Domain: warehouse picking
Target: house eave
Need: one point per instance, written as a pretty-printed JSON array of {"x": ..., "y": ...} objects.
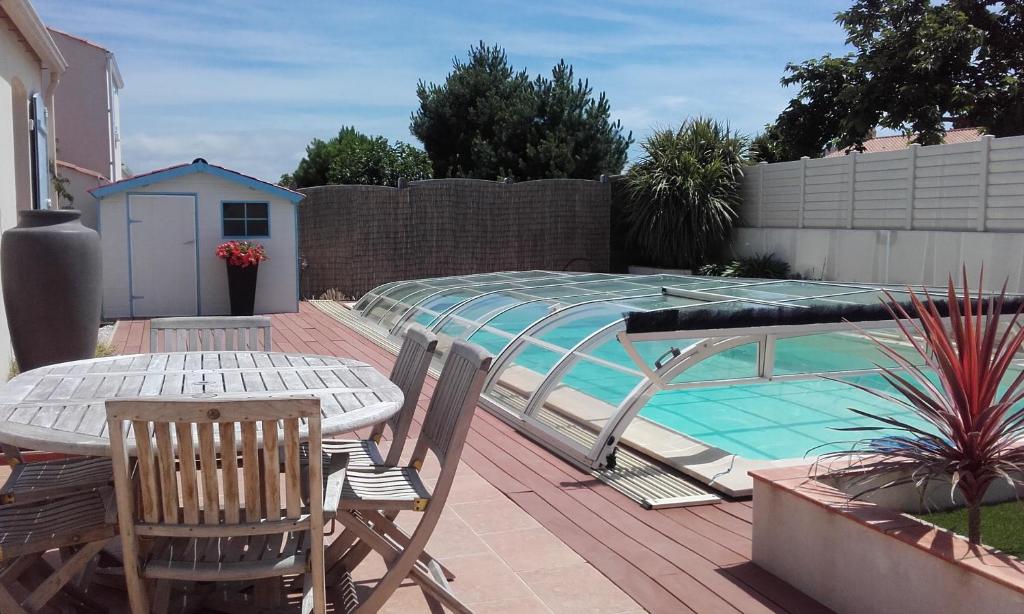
[{"x": 28, "y": 23}]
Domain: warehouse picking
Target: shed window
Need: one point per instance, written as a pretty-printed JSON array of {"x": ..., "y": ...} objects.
[{"x": 246, "y": 219}]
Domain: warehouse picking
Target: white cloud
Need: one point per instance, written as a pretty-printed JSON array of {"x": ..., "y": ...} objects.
[{"x": 248, "y": 83}]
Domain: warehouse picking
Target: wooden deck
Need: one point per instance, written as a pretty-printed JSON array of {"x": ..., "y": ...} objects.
[{"x": 693, "y": 559}]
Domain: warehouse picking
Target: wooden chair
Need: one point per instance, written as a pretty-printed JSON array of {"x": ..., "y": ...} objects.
[
  {"x": 202, "y": 521},
  {"x": 372, "y": 496},
  {"x": 408, "y": 373},
  {"x": 40, "y": 480},
  {"x": 80, "y": 525},
  {"x": 222, "y": 333}
]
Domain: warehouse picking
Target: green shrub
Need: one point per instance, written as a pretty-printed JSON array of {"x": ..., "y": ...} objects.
[
  {"x": 683, "y": 195},
  {"x": 759, "y": 266},
  {"x": 714, "y": 269}
]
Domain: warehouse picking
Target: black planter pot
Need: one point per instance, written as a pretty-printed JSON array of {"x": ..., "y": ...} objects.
[
  {"x": 242, "y": 289},
  {"x": 51, "y": 274}
]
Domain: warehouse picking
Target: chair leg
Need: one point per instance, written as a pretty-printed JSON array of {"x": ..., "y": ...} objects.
[
  {"x": 83, "y": 578},
  {"x": 138, "y": 599},
  {"x": 308, "y": 597},
  {"x": 434, "y": 605},
  {"x": 45, "y": 591},
  {"x": 429, "y": 576},
  {"x": 399, "y": 567},
  {"x": 359, "y": 549},
  {"x": 162, "y": 597},
  {"x": 8, "y": 603},
  {"x": 439, "y": 591},
  {"x": 393, "y": 531},
  {"x": 14, "y": 569},
  {"x": 333, "y": 553}
]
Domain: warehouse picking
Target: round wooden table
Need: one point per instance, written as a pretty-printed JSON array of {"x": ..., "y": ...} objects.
[{"x": 59, "y": 408}]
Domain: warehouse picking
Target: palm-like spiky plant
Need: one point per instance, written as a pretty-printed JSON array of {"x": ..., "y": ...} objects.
[
  {"x": 973, "y": 409},
  {"x": 685, "y": 192}
]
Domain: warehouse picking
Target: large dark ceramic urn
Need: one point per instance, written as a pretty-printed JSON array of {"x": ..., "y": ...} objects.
[{"x": 51, "y": 272}]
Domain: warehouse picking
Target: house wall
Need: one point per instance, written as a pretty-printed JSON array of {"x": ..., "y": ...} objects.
[
  {"x": 20, "y": 75},
  {"x": 277, "y": 285},
  {"x": 83, "y": 107},
  {"x": 78, "y": 185}
]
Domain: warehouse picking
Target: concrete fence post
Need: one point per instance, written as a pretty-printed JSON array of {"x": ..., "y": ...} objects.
[
  {"x": 762, "y": 167},
  {"x": 403, "y": 183},
  {"x": 852, "y": 176},
  {"x": 803, "y": 190},
  {"x": 908, "y": 224},
  {"x": 986, "y": 149}
]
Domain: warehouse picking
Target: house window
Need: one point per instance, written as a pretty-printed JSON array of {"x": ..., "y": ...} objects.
[{"x": 246, "y": 219}]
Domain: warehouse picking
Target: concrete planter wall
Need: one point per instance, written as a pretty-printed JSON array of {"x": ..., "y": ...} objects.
[{"x": 862, "y": 557}]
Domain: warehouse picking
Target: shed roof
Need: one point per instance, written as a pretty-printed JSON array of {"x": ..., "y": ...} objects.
[{"x": 197, "y": 166}]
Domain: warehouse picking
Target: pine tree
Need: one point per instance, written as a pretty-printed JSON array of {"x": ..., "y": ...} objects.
[{"x": 490, "y": 121}]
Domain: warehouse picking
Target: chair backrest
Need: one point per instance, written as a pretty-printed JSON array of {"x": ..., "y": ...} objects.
[
  {"x": 450, "y": 411},
  {"x": 409, "y": 372},
  {"x": 227, "y": 333},
  {"x": 225, "y": 437}
]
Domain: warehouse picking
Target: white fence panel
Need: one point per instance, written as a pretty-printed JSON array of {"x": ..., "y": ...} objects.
[
  {"x": 963, "y": 186},
  {"x": 782, "y": 193},
  {"x": 1005, "y": 197},
  {"x": 827, "y": 193}
]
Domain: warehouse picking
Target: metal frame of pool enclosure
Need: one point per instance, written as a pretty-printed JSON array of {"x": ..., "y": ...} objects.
[{"x": 569, "y": 374}]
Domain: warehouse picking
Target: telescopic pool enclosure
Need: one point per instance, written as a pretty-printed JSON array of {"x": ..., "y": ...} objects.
[{"x": 732, "y": 382}]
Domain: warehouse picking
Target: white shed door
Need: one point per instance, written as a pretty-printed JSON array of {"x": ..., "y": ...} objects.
[{"x": 163, "y": 255}]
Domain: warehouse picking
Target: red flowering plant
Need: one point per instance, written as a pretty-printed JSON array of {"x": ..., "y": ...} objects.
[{"x": 241, "y": 253}]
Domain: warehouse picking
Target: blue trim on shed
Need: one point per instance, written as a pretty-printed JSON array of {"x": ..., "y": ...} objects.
[
  {"x": 196, "y": 167},
  {"x": 243, "y": 237},
  {"x": 298, "y": 263}
]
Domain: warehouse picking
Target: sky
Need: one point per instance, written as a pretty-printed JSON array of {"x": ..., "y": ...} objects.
[{"x": 248, "y": 83}]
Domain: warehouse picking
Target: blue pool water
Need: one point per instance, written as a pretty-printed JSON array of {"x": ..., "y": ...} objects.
[{"x": 773, "y": 420}]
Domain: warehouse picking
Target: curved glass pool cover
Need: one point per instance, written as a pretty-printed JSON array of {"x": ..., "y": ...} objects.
[{"x": 567, "y": 372}]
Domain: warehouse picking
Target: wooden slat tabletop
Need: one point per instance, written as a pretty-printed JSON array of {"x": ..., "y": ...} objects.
[{"x": 59, "y": 408}]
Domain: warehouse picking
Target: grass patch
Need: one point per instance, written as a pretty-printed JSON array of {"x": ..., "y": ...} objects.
[
  {"x": 104, "y": 350},
  {"x": 1002, "y": 525}
]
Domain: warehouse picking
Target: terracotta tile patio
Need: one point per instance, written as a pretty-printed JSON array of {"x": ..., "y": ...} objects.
[{"x": 525, "y": 531}]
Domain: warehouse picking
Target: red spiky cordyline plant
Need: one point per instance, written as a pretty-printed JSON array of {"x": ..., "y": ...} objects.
[{"x": 977, "y": 433}]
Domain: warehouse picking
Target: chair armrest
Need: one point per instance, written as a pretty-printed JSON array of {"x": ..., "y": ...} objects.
[{"x": 334, "y": 470}]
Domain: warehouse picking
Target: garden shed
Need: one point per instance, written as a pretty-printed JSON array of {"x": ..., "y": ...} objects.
[{"x": 160, "y": 232}]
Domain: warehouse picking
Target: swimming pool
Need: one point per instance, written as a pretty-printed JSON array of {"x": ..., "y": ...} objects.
[
  {"x": 768, "y": 421},
  {"x": 564, "y": 372}
]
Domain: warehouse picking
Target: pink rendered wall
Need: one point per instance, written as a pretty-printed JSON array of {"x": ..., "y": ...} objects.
[{"x": 81, "y": 106}]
